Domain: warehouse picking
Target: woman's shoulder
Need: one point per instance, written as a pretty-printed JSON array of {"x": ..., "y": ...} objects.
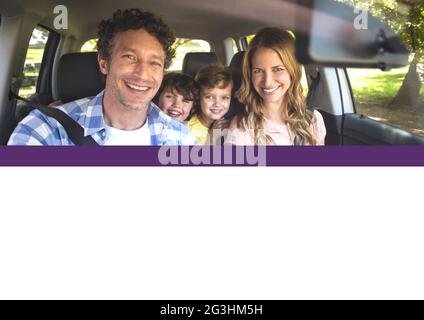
[
  {"x": 234, "y": 123},
  {"x": 237, "y": 135},
  {"x": 317, "y": 117},
  {"x": 318, "y": 127}
]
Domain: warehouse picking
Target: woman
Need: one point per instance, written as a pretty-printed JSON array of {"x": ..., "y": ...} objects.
[{"x": 275, "y": 111}]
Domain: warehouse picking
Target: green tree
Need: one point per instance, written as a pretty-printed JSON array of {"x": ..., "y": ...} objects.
[
  {"x": 406, "y": 18},
  {"x": 89, "y": 46},
  {"x": 180, "y": 42}
]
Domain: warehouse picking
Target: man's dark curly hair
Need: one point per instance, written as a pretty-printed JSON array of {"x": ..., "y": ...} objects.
[{"x": 135, "y": 19}]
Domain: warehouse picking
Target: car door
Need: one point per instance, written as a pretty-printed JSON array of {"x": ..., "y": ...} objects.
[{"x": 378, "y": 117}]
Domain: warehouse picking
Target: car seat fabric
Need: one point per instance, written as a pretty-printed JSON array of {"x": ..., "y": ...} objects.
[
  {"x": 79, "y": 76},
  {"x": 194, "y": 61}
]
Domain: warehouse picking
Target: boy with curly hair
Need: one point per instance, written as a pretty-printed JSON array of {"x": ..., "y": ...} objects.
[{"x": 177, "y": 95}]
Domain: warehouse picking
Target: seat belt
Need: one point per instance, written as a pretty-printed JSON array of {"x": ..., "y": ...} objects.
[
  {"x": 312, "y": 92},
  {"x": 72, "y": 128}
]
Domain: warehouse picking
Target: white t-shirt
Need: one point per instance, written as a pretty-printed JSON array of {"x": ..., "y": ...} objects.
[{"x": 138, "y": 137}]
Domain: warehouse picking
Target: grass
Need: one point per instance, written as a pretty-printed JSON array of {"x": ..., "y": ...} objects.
[
  {"x": 375, "y": 86},
  {"x": 374, "y": 90}
]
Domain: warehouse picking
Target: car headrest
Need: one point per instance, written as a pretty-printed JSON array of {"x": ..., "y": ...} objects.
[
  {"x": 79, "y": 76},
  {"x": 236, "y": 67},
  {"x": 194, "y": 61}
]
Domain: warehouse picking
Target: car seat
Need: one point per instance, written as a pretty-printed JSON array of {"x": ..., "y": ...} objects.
[
  {"x": 78, "y": 77},
  {"x": 194, "y": 61}
]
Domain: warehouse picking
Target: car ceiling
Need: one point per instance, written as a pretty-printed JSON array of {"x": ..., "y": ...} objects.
[{"x": 204, "y": 19}]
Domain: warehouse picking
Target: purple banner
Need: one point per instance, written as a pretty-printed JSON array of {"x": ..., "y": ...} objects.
[{"x": 213, "y": 156}]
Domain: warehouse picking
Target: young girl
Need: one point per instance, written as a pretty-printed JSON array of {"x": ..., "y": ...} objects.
[
  {"x": 177, "y": 95},
  {"x": 275, "y": 110},
  {"x": 215, "y": 83}
]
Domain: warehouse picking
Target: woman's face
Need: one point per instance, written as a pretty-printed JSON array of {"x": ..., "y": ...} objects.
[{"x": 270, "y": 77}]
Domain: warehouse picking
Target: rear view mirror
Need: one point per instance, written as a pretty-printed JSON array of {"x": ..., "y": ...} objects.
[{"x": 335, "y": 34}]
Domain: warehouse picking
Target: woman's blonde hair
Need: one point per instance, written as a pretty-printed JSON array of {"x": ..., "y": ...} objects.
[{"x": 298, "y": 117}]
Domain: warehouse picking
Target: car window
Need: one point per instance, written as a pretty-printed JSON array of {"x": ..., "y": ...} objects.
[
  {"x": 234, "y": 45},
  {"x": 33, "y": 60},
  {"x": 378, "y": 95},
  {"x": 183, "y": 46},
  {"x": 90, "y": 46},
  {"x": 396, "y": 96},
  {"x": 249, "y": 38}
]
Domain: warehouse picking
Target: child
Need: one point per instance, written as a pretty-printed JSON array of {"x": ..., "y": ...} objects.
[
  {"x": 177, "y": 95},
  {"x": 215, "y": 84}
]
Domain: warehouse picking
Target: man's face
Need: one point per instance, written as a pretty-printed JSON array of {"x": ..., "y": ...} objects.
[{"x": 134, "y": 70}]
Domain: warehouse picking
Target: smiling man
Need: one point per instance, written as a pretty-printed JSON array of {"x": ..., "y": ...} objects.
[{"x": 134, "y": 48}]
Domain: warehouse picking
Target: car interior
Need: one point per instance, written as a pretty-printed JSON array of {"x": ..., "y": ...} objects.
[{"x": 66, "y": 73}]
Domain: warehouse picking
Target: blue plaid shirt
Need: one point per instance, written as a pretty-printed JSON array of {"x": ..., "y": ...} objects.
[{"x": 39, "y": 129}]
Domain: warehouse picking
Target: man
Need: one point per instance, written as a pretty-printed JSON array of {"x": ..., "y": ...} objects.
[{"x": 134, "y": 48}]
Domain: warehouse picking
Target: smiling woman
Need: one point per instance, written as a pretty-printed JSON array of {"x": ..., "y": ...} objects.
[{"x": 275, "y": 112}]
